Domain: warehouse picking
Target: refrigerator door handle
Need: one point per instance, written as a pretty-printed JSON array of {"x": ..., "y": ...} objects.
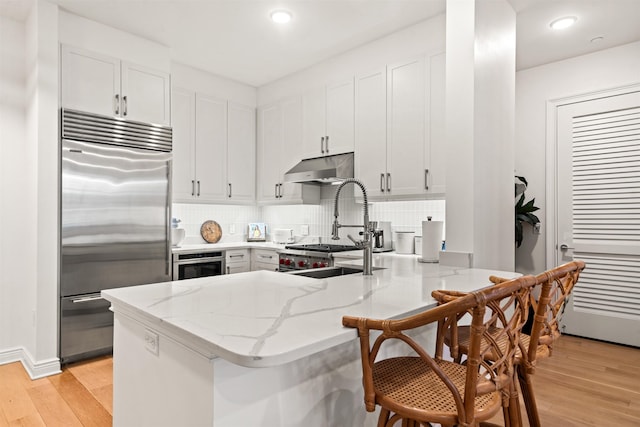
[{"x": 89, "y": 298}]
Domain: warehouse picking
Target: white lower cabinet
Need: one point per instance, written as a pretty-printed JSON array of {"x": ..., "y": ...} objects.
[
  {"x": 237, "y": 261},
  {"x": 264, "y": 259}
]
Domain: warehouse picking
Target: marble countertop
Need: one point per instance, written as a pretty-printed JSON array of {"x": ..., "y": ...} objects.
[
  {"x": 212, "y": 247},
  {"x": 265, "y": 318}
]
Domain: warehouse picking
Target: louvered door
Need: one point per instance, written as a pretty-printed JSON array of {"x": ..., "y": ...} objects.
[{"x": 599, "y": 215}]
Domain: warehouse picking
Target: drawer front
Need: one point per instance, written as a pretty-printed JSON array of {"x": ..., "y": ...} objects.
[
  {"x": 264, "y": 256},
  {"x": 237, "y": 256},
  {"x": 264, "y": 266}
]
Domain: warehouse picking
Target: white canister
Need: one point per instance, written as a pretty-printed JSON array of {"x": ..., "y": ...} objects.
[{"x": 404, "y": 242}]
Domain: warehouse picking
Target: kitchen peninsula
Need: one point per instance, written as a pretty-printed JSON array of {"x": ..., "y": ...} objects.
[{"x": 260, "y": 348}]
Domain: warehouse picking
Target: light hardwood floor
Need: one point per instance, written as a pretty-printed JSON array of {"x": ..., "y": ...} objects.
[{"x": 585, "y": 383}]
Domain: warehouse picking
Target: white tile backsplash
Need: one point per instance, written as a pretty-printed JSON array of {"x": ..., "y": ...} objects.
[{"x": 404, "y": 216}]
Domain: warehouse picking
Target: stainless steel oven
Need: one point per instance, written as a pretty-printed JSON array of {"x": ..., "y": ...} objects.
[
  {"x": 304, "y": 257},
  {"x": 191, "y": 265}
]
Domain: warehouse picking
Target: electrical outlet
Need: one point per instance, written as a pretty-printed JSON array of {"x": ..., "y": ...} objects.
[
  {"x": 304, "y": 230},
  {"x": 151, "y": 341}
]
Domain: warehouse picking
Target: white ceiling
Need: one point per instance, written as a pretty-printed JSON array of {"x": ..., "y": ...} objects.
[{"x": 235, "y": 38}]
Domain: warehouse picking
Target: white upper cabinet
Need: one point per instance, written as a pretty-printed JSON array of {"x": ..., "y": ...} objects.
[
  {"x": 371, "y": 131},
  {"x": 183, "y": 104},
  {"x": 328, "y": 120},
  {"x": 241, "y": 153},
  {"x": 279, "y": 136},
  {"x": 435, "y": 124},
  {"x": 213, "y": 150},
  {"x": 104, "y": 85},
  {"x": 145, "y": 94},
  {"x": 399, "y": 129},
  {"x": 405, "y": 128}
]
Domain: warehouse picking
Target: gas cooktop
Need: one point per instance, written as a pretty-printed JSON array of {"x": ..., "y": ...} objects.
[{"x": 321, "y": 247}]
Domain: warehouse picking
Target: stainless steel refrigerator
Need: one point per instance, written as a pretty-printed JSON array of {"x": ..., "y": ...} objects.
[{"x": 115, "y": 221}]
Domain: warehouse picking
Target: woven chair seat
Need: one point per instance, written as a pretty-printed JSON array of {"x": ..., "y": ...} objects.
[{"x": 408, "y": 386}]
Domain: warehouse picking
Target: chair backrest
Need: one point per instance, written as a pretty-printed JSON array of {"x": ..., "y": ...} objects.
[
  {"x": 490, "y": 364},
  {"x": 561, "y": 281}
]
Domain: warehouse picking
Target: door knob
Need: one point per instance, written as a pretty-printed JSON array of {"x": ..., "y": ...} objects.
[{"x": 564, "y": 247}]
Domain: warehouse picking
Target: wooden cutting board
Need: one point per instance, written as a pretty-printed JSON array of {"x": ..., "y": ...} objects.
[{"x": 211, "y": 231}]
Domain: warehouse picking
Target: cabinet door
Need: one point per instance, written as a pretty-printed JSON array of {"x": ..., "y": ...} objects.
[
  {"x": 269, "y": 151},
  {"x": 405, "y": 127},
  {"x": 371, "y": 131},
  {"x": 241, "y": 150},
  {"x": 90, "y": 82},
  {"x": 145, "y": 94},
  {"x": 184, "y": 122},
  {"x": 290, "y": 153},
  {"x": 211, "y": 149},
  {"x": 436, "y": 156},
  {"x": 340, "y": 118},
  {"x": 314, "y": 119}
]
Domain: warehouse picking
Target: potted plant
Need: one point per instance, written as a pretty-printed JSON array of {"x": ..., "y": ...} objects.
[{"x": 524, "y": 211}]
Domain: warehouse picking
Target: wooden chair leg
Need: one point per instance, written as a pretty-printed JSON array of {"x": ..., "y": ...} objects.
[
  {"x": 383, "y": 418},
  {"x": 526, "y": 385}
]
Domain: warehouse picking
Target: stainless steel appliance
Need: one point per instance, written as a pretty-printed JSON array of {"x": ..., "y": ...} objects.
[
  {"x": 303, "y": 257},
  {"x": 115, "y": 221},
  {"x": 383, "y": 242},
  {"x": 191, "y": 265},
  {"x": 322, "y": 170}
]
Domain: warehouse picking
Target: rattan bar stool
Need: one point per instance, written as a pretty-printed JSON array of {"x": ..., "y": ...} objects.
[
  {"x": 420, "y": 389},
  {"x": 547, "y": 304}
]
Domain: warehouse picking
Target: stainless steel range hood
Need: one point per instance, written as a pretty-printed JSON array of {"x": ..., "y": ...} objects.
[{"x": 324, "y": 170}]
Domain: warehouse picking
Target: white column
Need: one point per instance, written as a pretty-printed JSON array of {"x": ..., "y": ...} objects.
[{"x": 480, "y": 92}]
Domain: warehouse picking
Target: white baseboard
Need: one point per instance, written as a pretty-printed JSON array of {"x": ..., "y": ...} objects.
[{"x": 35, "y": 369}]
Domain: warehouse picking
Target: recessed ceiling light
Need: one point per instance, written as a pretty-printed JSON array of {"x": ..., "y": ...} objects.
[
  {"x": 281, "y": 16},
  {"x": 562, "y": 23}
]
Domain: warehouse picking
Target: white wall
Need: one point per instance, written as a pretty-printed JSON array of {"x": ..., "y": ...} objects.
[
  {"x": 17, "y": 239},
  {"x": 607, "y": 69},
  {"x": 91, "y": 35},
  {"x": 404, "y": 216},
  {"x": 195, "y": 80},
  {"x": 425, "y": 37}
]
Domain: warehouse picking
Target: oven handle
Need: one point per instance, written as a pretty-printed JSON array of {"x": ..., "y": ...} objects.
[{"x": 199, "y": 261}]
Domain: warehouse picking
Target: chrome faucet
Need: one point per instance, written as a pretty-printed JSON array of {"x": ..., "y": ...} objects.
[{"x": 368, "y": 231}]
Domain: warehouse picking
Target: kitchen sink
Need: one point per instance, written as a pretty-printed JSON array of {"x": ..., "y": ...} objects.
[{"x": 324, "y": 273}]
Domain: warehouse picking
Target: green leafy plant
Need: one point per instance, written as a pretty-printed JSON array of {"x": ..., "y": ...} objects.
[{"x": 524, "y": 211}]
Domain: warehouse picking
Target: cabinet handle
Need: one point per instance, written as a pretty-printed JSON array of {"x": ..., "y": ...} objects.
[
  {"x": 280, "y": 190},
  {"x": 236, "y": 256},
  {"x": 198, "y": 188},
  {"x": 426, "y": 179},
  {"x": 116, "y": 107},
  {"x": 193, "y": 187},
  {"x": 326, "y": 144},
  {"x": 388, "y": 182},
  {"x": 275, "y": 191},
  {"x": 266, "y": 256},
  {"x": 322, "y": 145},
  {"x": 382, "y": 182},
  {"x": 229, "y": 190},
  {"x": 124, "y": 105}
]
